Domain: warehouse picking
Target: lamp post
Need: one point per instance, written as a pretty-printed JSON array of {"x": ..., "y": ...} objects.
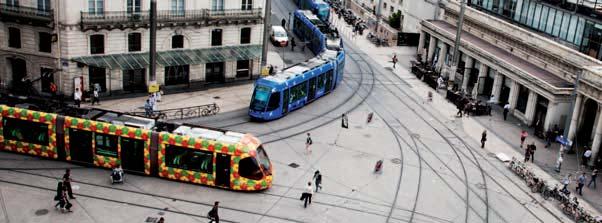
[
  {"x": 455, "y": 54},
  {"x": 266, "y": 26},
  {"x": 152, "y": 42}
]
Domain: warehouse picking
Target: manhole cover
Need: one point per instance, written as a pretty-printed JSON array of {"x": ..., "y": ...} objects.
[
  {"x": 415, "y": 135},
  {"x": 396, "y": 160},
  {"x": 216, "y": 97},
  {"x": 367, "y": 135},
  {"x": 151, "y": 219},
  {"x": 162, "y": 213},
  {"x": 41, "y": 212},
  {"x": 293, "y": 165}
]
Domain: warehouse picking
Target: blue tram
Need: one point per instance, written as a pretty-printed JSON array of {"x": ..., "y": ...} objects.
[
  {"x": 319, "y": 7},
  {"x": 296, "y": 86},
  {"x": 317, "y": 34}
]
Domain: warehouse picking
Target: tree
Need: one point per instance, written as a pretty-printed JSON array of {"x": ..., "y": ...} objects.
[{"x": 395, "y": 20}]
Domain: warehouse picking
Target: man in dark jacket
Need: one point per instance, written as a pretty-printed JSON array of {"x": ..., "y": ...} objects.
[{"x": 213, "y": 215}]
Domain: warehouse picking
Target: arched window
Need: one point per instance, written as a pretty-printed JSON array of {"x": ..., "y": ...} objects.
[{"x": 177, "y": 41}]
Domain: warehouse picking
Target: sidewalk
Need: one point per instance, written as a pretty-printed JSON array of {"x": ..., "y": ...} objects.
[{"x": 503, "y": 136}]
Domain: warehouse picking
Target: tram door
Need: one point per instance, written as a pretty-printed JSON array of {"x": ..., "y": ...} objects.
[
  {"x": 222, "y": 177},
  {"x": 328, "y": 81},
  {"x": 312, "y": 89},
  {"x": 132, "y": 154},
  {"x": 285, "y": 102},
  {"x": 80, "y": 146}
]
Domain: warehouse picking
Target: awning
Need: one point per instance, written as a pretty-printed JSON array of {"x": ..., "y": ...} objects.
[{"x": 131, "y": 61}]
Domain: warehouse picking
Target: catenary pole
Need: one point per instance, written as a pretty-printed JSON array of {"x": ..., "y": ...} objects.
[
  {"x": 266, "y": 27},
  {"x": 456, "y": 55},
  {"x": 152, "y": 41}
]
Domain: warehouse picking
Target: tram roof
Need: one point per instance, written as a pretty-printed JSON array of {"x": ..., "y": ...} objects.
[
  {"x": 303, "y": 67},
  {"x": 197, "y": 132},
  {"x": 312, "y": 18}
]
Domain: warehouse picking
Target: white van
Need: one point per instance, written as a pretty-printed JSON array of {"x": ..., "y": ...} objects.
[{"x": 278, "y": 36}]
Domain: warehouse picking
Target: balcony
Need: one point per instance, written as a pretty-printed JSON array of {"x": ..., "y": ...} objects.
[
  {"x": 27, "y": 15},
  {"x": 165, "y": 18}
]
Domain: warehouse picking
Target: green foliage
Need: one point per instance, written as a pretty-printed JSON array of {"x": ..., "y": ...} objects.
[{"x": 395, "y": 20}]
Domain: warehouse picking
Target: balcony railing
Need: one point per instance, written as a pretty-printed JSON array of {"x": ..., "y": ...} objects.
[
  {"x": 30, "y": 13},
  {"x": 166, "y": 16}
]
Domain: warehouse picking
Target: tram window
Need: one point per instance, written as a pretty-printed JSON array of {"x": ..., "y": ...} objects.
[
  {"x": 188, "y": 159},
  {"x": 274, "y": 101},
  {"x": 321, "y": 81},
  {"x": 298, "y": 92},
  {"x": 260, "y": 98},
  {"x": 25, "y": 131},
  {"x": 248, "y": 168},
  {"x": 106, "y": 145}
]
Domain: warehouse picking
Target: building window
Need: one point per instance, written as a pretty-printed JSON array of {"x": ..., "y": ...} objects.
[
  {"x": 216, "y": 37},
  {"x": 45, "y": 42},
  {"x": 97, "y": 44},
  {"x": 176, "y": 75},
  {"x": 245, "y": 35},
  {"x": 392, "y": 9},
  {"x": 177, "y": 7},
  {"x": 134, "y": 42},
  {"x": 13, "y": 3},
  {"x": 523, "y": 98},
  {"x": 43, "y": 5},
  {"x": 217, "y": 5},
  {"x": 189, "y": 159},
  {"x": 247, "y": 4},
  {"x": 133, "y": 6},
  {"x": 47, "y": 77},
  {"x": 177, "y": 42},
  {"x": 106, "y": 145},
  {"x": 242, "y": 68},
  {"x": 97, "y": 75},
  {"x": 14, "y": 37},
  {"x": 385, "y": 5},
  {"x": 96, "y": 7}
]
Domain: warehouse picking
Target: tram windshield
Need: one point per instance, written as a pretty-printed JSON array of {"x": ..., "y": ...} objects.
[
  {"x": 260, "y": 98},
  {"x": 263, "y": 159}
]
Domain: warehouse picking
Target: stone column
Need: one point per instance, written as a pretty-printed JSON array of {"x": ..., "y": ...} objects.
[
  {"x": 513, "y": 95},
  {"x": 481, "y": 80},
  {"x": 431, "y": 51},
  {"x": 497, "y": 86},
  {"x": 550, "y": 114},
  {"x": 574, "y": 121},
  {"x": 420, "y": 42},
  {"x": 469, "y": 64},
  {"x": 531, "y": 103},
  {"x": 597, "y": 137},
  {"x": 442, "y": 54}
]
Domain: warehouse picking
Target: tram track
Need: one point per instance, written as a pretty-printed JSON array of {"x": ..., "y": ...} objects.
[{"x": 467, "y": 146}]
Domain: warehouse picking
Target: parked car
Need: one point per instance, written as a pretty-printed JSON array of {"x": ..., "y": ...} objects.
[{"x": 278, "y": 36}]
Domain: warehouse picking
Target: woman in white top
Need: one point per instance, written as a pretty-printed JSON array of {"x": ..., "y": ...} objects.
[{"x": 306, "y": 196}]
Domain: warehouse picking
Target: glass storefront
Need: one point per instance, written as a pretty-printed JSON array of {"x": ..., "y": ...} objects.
[{"x": 564, "y": 23}]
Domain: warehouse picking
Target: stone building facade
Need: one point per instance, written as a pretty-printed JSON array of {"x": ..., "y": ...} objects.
[
  {"x": 106, "y": 43},
  {"x": 507, "y": 64}
]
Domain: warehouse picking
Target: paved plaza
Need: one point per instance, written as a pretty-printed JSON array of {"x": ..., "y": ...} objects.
[{"x": 434, "y": 168}]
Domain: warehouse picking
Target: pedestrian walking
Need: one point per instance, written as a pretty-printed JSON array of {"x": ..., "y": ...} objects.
[
  {"x": 586, "y": 156},
  {"x": 523, "y": 136},
  {"x": 59, "y": 195},
  {"x": 565, "y": 182},
  {"x": 77, "y": 97},
  {"x": 559, "y": 162},
  {"x": 527, "y": 153},
  {"x": 95, "y": 96},
  {"x": 158, "y": 94},
  {"x": 53, "y": 89},
  {"x": 148, "y": 108},
  {"x": 429, "y": 96},
  {"x": 532, "y": 151},
  {"x": 213, "y": 215},
  {"x": 283, "y": 23},
  {"x": 593, "y": 178},
  {"x": 483, "y": 138},
  {"x": 344, "y": 121},
  {"x": 307, "y": 194},
  {"x": 581, "y": 183},
  {"x": 293, "y": 44},
  {"x": 549, "y": 138},
  {"x": 506, "y": 110},
  {"x": 460, "y": 107},
  {"x": 369, "y": 117},
  {"x": 67, "y": 183},
  {"x": 161, "y": 220},
  {"x": 64, "y": 203},
  {"x": 318, "y": 179},
  {"x": 308, "y": 143},
  {"x": 394, "y": 60}
]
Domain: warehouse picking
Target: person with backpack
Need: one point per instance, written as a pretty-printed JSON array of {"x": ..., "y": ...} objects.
[
  {"x": 318, "y": 180},
  {"x": 308, "y": 143},
  {"x": 394, "y": 60},
  {"x": 213, "y": 215}
]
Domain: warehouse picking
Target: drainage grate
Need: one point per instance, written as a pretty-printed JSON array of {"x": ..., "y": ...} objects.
[
  {"x": 151, "y": 219},
  {"x": 41, "y": 212},
  {"x": 293, "y": 165},
  {"x": 415, "y": 135},
  {"x": 216, "y": 97},
  {"x": 396, "y": 161}
]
